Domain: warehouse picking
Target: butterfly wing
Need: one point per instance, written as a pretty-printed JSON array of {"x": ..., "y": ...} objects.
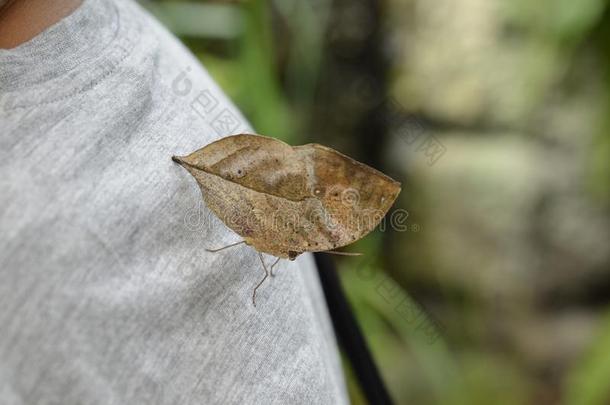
[
  {"x": 287, "y": 200},
  {"x": 354, "y": 196},
  {"x": 258, "y": 187}
]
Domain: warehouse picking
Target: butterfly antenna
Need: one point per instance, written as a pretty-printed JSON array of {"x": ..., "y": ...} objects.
[
  {"x": 226, "y": 247},
  {"x": 260, "y": 256},
  {"x": 271, "y": 269},
  {"x": 334, "y": 252}
]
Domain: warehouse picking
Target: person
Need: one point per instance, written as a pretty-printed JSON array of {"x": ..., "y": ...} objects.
[{"x": 107, "y": 294}]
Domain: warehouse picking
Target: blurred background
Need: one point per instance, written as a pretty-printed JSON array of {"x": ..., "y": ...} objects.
[{"x": 492, "y": 283}]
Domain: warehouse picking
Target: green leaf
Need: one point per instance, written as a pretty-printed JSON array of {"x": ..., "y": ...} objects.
[{"x": 589, "y": 383}]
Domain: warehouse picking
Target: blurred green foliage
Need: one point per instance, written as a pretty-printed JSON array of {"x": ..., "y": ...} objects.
[
  {"x": 588, "y": 383},
  {"x": 487, "y": 78}
]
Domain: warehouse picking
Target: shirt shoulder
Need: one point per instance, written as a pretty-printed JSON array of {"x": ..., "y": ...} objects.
[{"x": 108, "y": 234}]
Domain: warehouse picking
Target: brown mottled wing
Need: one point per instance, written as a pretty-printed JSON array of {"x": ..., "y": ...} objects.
[
  {"x": 269, "y": 223},
  {"x": 354, "y": 196},
  {"x": 257, "y": 162},
  {"x": 285, "y": 200},
  {"x": 257, "y": 186}
]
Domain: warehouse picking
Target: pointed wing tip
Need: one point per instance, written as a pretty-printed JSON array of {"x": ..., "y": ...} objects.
[{"x": 177, "y": 159}]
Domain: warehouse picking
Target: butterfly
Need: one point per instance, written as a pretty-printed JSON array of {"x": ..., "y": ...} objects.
[{"x": 286, "y": 200}]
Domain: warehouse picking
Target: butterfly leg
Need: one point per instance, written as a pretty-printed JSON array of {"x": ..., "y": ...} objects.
[
  {"x": 260, "y": 256},
  {"x": 271, "y": 269},
  {"x": 226, "y": 247}
]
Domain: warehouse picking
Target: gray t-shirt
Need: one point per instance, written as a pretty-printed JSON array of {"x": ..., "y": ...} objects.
[{"x": 107, "y": 295}]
